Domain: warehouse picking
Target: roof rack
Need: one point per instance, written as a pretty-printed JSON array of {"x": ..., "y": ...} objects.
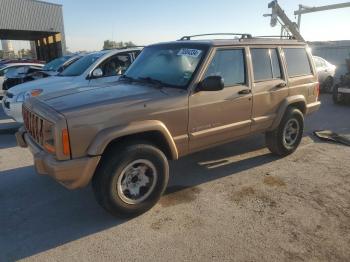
[
  {"x": 276, "y": 36},
  {"x": 242, "y": 36},
  {"x": 124, "y": 47}
]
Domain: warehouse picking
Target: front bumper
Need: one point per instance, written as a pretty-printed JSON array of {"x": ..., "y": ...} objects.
[
  {"x": 13, "y": 109},
  {"x": 313, "y": 107},
  {"x": 72, "y": 174}
]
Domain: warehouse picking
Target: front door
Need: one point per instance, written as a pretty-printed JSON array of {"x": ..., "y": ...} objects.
[{"x": 219, "y": 116}]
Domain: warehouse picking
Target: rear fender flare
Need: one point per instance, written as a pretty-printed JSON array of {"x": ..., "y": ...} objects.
[{"x": 283, "y": 107}]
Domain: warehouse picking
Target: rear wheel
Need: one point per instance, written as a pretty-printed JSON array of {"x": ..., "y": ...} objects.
[
  {"x": 328, "y": 85},
  {"x": 130, "y": 180},
  {"x": 285, "y": 139}
]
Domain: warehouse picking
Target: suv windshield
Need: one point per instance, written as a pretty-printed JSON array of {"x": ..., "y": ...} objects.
[
  {"x": 56, "y": 63},
  {"x": 81, "y": 65},
  {"x": 172, "y": 65}
]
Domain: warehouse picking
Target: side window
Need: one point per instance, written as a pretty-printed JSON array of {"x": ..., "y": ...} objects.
[
  {"x": 136, "y": 54},
  {"x": 266, "y": 64},
  {"x": 276, "y": 66},
  {"x": 116, "y": 65},
  {"x": 298, "y": 63},
  {"x": 230, "y": 65}
]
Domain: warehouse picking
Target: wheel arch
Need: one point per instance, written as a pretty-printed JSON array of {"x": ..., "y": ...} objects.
[
  {"x": 297, "y": 101},
  {"x": 152, "y": 131}
]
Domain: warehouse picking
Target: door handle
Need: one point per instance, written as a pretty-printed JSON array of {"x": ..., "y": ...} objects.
[
  {"x": 281, "y": 85},
  {"x": 244, "y": 92}
]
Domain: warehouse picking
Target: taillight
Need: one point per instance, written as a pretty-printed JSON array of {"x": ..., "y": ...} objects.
[
  {"x": 65, "y": 142},
  {"x": 317, "y": 90}
]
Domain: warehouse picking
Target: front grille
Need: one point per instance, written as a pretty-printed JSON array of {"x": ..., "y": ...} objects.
[{"x": 34, "y": 125}]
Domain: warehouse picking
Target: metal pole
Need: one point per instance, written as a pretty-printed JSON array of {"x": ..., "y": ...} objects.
[
  {"x": 299, "y": 17},
  {"x": 306, "y": 10}
]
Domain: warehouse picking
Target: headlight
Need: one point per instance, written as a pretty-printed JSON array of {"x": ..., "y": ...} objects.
[
  {"x": 20, "y": 97},
  {"x": 49, "y": 140},
  {"x": 25, "y": 95}
]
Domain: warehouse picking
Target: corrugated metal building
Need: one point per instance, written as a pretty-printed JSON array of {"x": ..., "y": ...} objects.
[
  {"x": 333, "y": 51},
  {"x": 37, "y": 21}
]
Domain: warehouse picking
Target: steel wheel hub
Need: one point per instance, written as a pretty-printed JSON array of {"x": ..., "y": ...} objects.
[
  {"x": 291, "y": 132},
  {"x": 137, "y": 181}
]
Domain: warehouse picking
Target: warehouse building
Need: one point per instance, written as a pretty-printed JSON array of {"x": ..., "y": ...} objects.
[{"x": 36, "y": 21}]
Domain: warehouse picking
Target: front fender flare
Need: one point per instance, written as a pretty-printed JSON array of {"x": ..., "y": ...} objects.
[{"x": 104, "y": 137}]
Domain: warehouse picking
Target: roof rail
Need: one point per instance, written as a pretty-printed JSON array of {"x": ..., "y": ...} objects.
[
  {"x": 124, "y": 47},
  {"x": 242, "y": 36},
  {"x": 276, "y": 36}
]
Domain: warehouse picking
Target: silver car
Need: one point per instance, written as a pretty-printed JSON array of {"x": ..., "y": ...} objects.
[
  {"x": 6, "y": 67},
  {"x": 326, "y": 72},
  {"x": 92, "y": 69}
]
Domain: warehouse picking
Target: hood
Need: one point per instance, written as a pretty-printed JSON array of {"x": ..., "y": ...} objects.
[
  {"x": 47, "y": 84},
  {"x": 91, "y": 96}
]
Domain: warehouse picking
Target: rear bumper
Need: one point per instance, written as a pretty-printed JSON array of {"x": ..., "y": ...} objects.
[
  {"x": 313, "y": 107},
  {"x": 72, "y": 174}
]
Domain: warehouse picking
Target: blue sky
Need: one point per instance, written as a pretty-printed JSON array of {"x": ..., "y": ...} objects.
[{"x": 88, "y": 23}]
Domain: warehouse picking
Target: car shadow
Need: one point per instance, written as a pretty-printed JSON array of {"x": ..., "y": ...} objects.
[
  {"x": 38, "y": 214},
  {"x": 7, "y": 141}
]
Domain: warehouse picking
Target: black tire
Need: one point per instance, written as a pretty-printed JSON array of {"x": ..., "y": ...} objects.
[
  {"x": 275, "y": 140},
  {"x": 107, "y": 178},
  {"x": 337, "y": 98},
  {"x": 328, "y": 85}
]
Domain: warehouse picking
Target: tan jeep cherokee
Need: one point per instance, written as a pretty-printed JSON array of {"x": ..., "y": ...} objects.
[{"x": 175, "y": 99}]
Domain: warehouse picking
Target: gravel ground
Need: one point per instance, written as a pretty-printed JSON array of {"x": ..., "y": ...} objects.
[{"x": 233, "y": 203}]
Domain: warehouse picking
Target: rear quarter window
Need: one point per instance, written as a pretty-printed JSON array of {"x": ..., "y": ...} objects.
[{"x": 298, "y": 63}]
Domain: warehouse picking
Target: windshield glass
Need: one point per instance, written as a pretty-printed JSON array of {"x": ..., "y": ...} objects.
[
  {"x": 172, "y": 65},
  {"x": 56, "y": 63},
  {"x": 81, "y": 65}
]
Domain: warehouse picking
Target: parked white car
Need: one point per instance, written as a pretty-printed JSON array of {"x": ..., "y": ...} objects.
[
  {"x": 92, "y": 69},
  {"x": 6, "y": 67},
  {"x": 326, "y": 73}
]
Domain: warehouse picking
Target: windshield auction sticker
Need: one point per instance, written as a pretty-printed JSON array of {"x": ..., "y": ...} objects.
[{"x": 189, "y": 52}]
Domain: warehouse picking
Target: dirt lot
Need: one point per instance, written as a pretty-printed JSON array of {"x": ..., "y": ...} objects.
[{"x": 232, "y": 203}]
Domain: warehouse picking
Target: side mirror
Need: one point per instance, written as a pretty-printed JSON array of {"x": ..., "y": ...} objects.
[
  {"x": 97, "y": 73},
  {"x": 211, "y": 83}
]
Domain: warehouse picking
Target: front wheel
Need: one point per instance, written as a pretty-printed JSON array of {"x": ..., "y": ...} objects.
[
  {"x": 131, "y": 179},
  {"x": 286, "y": 138}
]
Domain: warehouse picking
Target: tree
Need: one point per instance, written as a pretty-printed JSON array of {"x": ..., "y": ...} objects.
[{"x": 109, "y": 44}]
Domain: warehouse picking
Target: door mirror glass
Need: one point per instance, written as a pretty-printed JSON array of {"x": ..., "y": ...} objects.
[
  {"x": 211, "y": 83},
  {"x": 97, "y": 73}
]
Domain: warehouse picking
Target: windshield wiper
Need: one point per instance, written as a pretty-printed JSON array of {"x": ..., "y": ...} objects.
[
  {"x": 153, "y": 81},
  {"x": 125, "y": 77}
]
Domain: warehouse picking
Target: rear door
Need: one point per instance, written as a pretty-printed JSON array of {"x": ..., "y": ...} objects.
[
  {"x": 220, "y": 116},
  {"x": 269, "y": 87}
]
